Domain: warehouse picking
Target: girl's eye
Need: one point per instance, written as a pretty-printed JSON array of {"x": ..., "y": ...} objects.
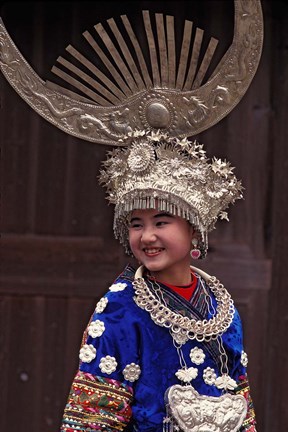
[
  {"x": 160, "y": 223},
  {"x": 135, "y": 225}
]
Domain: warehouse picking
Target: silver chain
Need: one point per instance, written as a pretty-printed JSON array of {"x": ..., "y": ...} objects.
[{"x": 201, "y": 330}]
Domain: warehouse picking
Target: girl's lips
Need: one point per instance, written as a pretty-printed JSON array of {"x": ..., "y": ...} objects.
[{"x": 153, "y": 251}]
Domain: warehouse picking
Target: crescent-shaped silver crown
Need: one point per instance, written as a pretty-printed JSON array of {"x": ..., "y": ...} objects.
[{"x": 172, "y": 98}]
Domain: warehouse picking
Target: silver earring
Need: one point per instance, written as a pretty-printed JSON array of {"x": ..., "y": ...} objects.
[{"x": 195, "y": 252}]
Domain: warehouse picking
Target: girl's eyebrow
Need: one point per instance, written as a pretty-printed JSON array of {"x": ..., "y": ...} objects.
[
  {"x": 135, "y": 219},
  {"x": 158, "y": 215}
]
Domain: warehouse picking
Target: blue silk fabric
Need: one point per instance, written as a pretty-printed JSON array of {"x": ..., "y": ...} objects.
[{"x": 132, "y": 337}]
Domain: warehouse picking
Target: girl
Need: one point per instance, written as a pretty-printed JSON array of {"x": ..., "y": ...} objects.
[{"x": 163, "y": 350}]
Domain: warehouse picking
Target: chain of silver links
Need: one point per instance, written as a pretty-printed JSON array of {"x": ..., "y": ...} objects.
[{"x": 187, "y": 328}]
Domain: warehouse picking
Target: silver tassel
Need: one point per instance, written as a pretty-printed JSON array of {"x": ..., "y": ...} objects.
[{"x": 168, "y": 424}]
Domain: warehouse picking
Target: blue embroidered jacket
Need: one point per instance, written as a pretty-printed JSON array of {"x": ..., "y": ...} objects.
[{"x": 125, "y": 336}]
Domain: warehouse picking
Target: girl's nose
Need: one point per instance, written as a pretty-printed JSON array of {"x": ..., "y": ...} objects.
[{"x": 148, "y": 235}]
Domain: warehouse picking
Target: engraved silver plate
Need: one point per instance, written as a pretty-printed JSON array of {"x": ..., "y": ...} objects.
[
  {"x": 197, "y": 413},
  {"x": 151, "y": 93}
]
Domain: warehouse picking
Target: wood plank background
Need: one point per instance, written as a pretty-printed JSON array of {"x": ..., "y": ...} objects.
[{"x": 58, "y": 254}]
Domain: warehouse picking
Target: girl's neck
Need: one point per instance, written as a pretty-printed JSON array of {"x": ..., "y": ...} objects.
[{"x": 173, "y": 278}]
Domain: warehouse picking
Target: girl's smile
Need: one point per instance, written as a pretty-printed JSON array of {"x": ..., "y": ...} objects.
[{"x": 153, "y": 252}]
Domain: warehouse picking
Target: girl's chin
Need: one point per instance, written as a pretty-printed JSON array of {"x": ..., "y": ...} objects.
[{"x": 154, "y": 267}]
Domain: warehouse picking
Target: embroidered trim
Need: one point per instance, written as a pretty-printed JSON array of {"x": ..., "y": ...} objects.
[
  {"x": 95, "y": 402},
  {"x": 244, "y": 389}
]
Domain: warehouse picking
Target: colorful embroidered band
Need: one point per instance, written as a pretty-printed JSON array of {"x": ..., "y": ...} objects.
[{"x": 95, "y": 402}]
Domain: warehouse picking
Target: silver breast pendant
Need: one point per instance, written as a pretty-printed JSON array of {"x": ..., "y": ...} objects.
[{"x": 192, "y": 412}]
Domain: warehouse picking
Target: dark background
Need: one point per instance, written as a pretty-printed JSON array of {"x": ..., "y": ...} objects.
[{"x": 58, "y": 253}]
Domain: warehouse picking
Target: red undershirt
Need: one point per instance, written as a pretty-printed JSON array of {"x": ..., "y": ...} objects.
[{"x": 185, "y": 291}]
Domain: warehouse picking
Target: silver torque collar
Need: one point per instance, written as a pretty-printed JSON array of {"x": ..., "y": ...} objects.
[{"x": 201, "y": 330}]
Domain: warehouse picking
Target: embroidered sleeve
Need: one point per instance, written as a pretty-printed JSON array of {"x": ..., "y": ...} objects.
[
  {"x": 249, "y": 424},
  {"x": 111, "y": 342},
  {"x": 102, "y": 391},
  {"x": 97, "y": 403}
]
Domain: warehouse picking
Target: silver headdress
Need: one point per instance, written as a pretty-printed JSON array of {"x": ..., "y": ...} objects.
[
  {"x": 172, "y": 175},
  {"x": 175, "y": 99},
  {"x": 177, "y": 92}
]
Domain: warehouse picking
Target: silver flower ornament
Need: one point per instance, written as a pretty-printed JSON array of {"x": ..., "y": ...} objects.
[
  {"x": 197, "y": 355},
  {"x": 118, "y": 287},
  {"x": 209, "y": 376},
  {"x": 132, "y": 372},
  {"x": 87, "y": 353},
  {"x": 108, "y": 364},
  {"x": 244, "y": 359},
  {"x": 157, "y": 136},
  {"x": 141, "y": 158},
  {"x": 223, "y": 215},
  {"x": 96, "y": 328},
  {"x": 101, "y": 305},
  {"x": 136, "y": 133},
  {"x": 221, "y": 167}
]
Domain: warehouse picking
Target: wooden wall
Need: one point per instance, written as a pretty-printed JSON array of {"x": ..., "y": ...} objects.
[{"x": 58, "y": 254}]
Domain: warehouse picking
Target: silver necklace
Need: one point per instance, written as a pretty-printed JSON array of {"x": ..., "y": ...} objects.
[{"x": 184, "y": 327}]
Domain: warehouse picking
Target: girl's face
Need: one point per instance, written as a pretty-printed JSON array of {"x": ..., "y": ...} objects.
[{"x": 162, "y": 243}]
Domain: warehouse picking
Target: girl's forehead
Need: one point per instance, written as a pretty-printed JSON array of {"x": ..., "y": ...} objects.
[{"x": 144, "y": 213}]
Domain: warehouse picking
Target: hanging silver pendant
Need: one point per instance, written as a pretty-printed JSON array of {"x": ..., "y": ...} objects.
[{"x": 192, "y": 412}]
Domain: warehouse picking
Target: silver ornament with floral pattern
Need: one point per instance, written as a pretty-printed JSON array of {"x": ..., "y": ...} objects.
[
  {"x": 141, "y": 158},
  {"x": 96, "y": 328},
  {"x": 120, "y": 286},
  {"x": 108, "y": 364},
  {"x": 87, "y": 353},
  {"x": 101, "y": 305},
  {"x": 209, "y": 376},
  {"x": 132, "y": 372},
  {"x": 244, "y": 359},
  {"x": 197, "y": 355}
]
